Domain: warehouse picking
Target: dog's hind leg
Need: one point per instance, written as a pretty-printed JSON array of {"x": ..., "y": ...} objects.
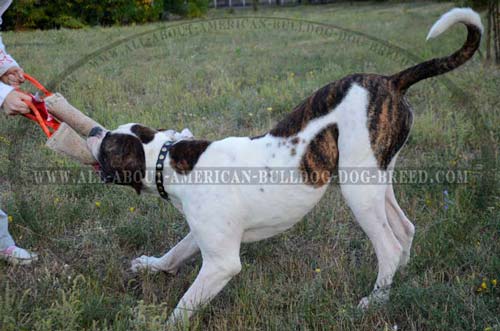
[
  {"x": 368, "y": 205},
  {"x": 172, "y": 260},
  {"x": 403, "y": 229}
]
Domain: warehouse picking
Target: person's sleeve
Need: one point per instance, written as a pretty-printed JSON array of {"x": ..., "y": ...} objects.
[
  {"x": 4, "y": 90},
  {"x": 6, "y": 61}
]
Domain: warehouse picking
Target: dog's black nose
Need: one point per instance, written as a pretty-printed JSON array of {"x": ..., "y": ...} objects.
[{"x": 95, "y": 131}]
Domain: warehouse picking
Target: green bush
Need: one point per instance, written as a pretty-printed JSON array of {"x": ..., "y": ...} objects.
[
  {"x": 69, "y": 22},
  {"x": 186, "y": 8},
  {"x": 196, "y": 8},
  {"x": 476, "y": 4},
  {"x": 178, "y": 7},
  {"x": 45, "y": 14}
]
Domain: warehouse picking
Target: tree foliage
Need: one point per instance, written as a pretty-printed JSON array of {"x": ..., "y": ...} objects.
[{"x": 49, "y": 14}]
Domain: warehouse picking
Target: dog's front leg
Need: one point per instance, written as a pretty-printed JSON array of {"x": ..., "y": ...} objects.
[
  {"x": 221, "y": 261},
  {"x": 172, "y": 260}
]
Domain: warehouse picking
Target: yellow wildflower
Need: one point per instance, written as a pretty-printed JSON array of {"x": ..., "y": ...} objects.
[
  {"x": 10, "y": 218},
  {"x": 98, "y": 204},
  {"x": 269, "y": 108},
  {"x": 132, "y": 209},
  {"x": 484, "y": 286},
  {"x": 56, "y": 200},
  {"x": 494, "y": 282},
  {"x": 318, "y": 270},
  {"x": 4, "y": 140}
]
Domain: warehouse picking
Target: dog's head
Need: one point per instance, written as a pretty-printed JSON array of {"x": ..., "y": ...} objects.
[
  {"x": 123, "y": 153},
  {"x": 120, "y": 153}
]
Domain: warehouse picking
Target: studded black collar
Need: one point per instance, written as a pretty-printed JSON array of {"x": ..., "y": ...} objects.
[{"x": 159, "y": 169}]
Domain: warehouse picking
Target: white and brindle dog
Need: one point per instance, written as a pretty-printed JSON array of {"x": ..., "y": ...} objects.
[{"x": 362, "y": 121}]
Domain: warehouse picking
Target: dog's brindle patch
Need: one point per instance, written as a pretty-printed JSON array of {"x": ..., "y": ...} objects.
[
  {"x": 321, "y": 157},
  {"x": 145, "y": 134},
  {"x": 389, "y": 122},
  {"x": 185, "y": 153}
]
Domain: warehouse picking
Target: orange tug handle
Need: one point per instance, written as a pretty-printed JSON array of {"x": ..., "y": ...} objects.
[
  {"x": 37, "y": 84},
  {"x": 35, "y": 111},
  {"x": 39, "y": 119}
]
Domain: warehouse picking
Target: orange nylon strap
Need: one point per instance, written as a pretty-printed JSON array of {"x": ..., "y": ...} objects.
[
  {"x": 37, "y": 84},
  {"x": 36, "y": 114},
  {"x": 39, "y": 118}
]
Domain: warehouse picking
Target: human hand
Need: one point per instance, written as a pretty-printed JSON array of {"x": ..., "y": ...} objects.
[
  {"x": 14, "y": 76},
  {"x": 14, "y": 103}
]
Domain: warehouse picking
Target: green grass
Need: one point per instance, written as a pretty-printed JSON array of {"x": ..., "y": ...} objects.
[{"x": 220, "y": 83}]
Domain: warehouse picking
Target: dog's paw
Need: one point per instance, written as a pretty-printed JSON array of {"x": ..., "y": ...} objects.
[
  {"x": 378, "y": 297},
  {"x": 144, "y": 262},
  {"x": 364, "y": 303}
]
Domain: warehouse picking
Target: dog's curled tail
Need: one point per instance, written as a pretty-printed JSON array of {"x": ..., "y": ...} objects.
[{"x": 406, "y": 78}]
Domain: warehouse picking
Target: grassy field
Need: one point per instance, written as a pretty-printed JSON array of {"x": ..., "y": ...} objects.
[{"x": 223, "y": 82}]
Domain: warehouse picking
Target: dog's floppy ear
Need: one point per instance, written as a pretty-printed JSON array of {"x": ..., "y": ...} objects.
[{"x": 145, "y": 134}]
